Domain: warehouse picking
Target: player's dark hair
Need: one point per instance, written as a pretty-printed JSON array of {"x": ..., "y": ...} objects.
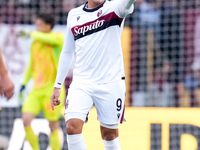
[{"x": 47, "y": 18}]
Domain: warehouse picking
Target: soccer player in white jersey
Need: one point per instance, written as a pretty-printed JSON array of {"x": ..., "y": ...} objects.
[{"x": 93, "y": 33}]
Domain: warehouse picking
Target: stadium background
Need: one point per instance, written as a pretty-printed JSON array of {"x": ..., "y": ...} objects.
[{"x": 161, "y": 46}]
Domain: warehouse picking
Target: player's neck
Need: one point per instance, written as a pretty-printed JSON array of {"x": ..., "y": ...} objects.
[{"x": 94, "y": 3}]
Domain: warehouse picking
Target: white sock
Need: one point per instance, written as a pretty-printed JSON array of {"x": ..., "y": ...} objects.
[
  {"x": 112, "y": 145},
  {"x": 76, "y": 142}
]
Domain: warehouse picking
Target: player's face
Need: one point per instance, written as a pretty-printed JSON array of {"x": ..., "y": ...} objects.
[
  {"x": 98, "y": 1},
  {"x": 42, "y": 26},
  {"x": 94, "y": 3}
]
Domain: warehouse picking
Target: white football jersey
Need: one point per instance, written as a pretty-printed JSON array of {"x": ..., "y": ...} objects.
[{"x": 95, "y": 37}]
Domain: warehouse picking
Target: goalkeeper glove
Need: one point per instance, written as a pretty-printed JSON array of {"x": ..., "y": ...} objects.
[{"x": 21, "y": 94}]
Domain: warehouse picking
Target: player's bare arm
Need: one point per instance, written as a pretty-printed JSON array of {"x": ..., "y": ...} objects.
[
  {"x": 6, "y": 84},
  {"x": 55, "y": 97}
]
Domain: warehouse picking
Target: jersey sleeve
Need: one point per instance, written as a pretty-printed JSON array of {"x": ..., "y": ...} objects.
[
  {"x": 123, "y": 7},
  {"x": 66, "y": 56},
  {"x": 48, "y": 38}
]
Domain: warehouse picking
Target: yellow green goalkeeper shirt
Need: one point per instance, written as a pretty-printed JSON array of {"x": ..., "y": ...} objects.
[{"x": 45, "y": 52}]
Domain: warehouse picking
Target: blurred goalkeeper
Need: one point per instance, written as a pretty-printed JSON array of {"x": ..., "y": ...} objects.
[{"x": 45, "y": 51}]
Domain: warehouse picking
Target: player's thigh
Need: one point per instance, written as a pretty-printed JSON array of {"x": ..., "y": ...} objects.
[
  {"x": 32, "y": 103},
  {"x": 49, "y": 114},
  {"x": 78, "y": 102},
  {"x": 110, "y": 103}
]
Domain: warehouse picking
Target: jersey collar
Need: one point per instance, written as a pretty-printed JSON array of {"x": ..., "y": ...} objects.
[{"x": 91, "y": 10}]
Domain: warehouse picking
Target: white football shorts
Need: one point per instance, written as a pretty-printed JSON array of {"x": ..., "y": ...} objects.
[{"x": 108, "y": 98}]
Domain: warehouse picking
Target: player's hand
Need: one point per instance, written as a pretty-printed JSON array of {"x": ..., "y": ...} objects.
[
  {"x": 54, "y": 97},
  {"x": 6, "y": 86},
  {"x": 22, "y": 88},
  {"x": 23, "y": 34}
]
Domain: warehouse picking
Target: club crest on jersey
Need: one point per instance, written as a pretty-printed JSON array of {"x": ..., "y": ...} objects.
[
  {"x": 99, "y": 13},
  {"x": 78, "y": 18}
]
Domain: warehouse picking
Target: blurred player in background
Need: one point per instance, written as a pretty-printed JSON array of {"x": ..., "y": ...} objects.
[
  {"x": 189, "y": 88},
  {"x": 45, "y": 51},
  {"x": 6, "y": 84},
  {"x": 94, "y": 34}
]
